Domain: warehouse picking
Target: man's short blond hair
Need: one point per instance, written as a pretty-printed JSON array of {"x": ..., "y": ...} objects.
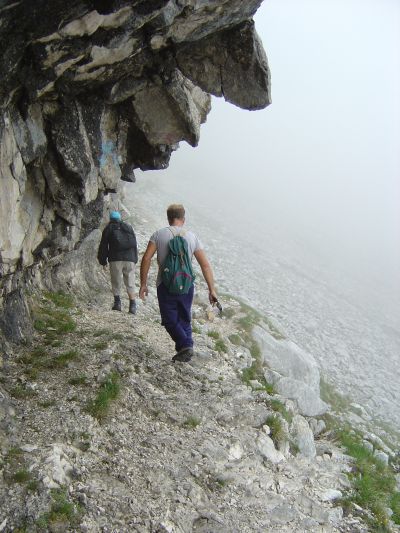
[{"x": 175, "y": 211}]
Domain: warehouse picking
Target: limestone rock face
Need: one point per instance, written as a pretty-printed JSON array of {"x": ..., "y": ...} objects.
[
  {"x": 90, "y": 90},
  {"x": 230, "y": 64},
  {"x": 295, "y": 375}
]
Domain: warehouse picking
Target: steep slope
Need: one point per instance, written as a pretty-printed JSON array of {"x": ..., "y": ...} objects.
[{"x": 182, "y": 447}]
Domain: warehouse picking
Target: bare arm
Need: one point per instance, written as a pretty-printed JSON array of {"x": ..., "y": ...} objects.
[
  {"x": 207, "y": 273},
  {"x": 144, "y": 269}
]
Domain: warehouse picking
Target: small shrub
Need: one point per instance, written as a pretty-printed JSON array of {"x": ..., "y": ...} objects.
[
  {"x": 395, "y": 506},
  {"x": 60, "y": 299},
  {"x": 53, "y": 343},
  {"x": 25, "y": 359},
  {"x": 61, "y": 360},
  {"x": 235, "y": 339},
  {"x": 14, "y": 452},
  {"x": 39, "y": 351},
  {"x": 255, "y": 372},
  {"x": 278, "y": 406},
  {"x": 196, "y": 329},
  {"x": 213, "y": 334},
  {"x": 100, "y": 332},
  {"x": 373, "y": 483},
  {"x": 22, "y": 476},
  {"x": 191, "y": 422},
  {"x": 278, "y": 433},
  {"x": 32, "y": 373},
  {"x": 220, "y": 346},
  {"x": 246, "y": 323},
  {"x": 249, "y": 374},
  {"x": 109, "y": 390},
  {"x": 47, "y": 403},
  {"x": 61, "y": 507},
  {"x": 33, "y": 485},
  {"x": 293, "y": 448},
  {"x": 20, "y": 393},
  {"x": 78, "y": 380},
  {"x": 101, "y": 345},
  {"x": 53, "y": 323},
  {"x": 61, "y": 510},
  {"x": 268, "y": 387}
]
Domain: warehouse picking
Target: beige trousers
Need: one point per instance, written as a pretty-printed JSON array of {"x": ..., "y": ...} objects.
[{"x": 123, "y": 270}]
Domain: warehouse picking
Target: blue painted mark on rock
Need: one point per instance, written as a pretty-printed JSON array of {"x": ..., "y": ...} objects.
[{"x": 108, "y": 151}]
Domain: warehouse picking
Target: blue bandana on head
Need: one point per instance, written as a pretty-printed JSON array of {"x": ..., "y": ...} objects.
[{"x": 115, "y": 215}]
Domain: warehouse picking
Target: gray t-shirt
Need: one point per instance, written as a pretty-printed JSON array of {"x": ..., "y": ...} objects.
[{"x": 162, "y": 237}]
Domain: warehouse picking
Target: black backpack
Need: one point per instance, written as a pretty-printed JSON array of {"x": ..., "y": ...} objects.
[{"x": 122, "y": 237}]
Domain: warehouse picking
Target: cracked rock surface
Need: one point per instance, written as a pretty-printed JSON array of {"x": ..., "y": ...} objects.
[{"x": 91, "y": 90}]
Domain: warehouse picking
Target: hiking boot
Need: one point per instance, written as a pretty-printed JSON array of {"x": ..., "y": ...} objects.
[
  {"x": 132, "y": 307},
  {"x": 184, "y": 355},
  {"x": 117, "y": 304}
]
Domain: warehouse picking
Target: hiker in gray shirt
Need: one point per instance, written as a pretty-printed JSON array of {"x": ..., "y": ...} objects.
[{"x": 176, "y": 309}]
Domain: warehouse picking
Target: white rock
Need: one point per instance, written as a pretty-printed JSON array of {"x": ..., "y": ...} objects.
[
  {"x": 255, "y": 384},
  {"x": 49, "y": 483},
  {"x": 267, "y": 449},
  {"x": 282, "y": 514},
  {"x": 298, "y": 375},
  {"x": 382, "y": 456},
  {"x": 389, "y": 512},
  {"x": 317, "y": 426},
  {"x": 330, "y": 495},
  {"x": 303, "y": 437},
  {"x": 308, "y": 400},
  {"x": 368, "y": 445},
  {"x": 335, "y": 515},
  {"x": 311, "y": 508},
  {"x": 235, "y": 452},
  {"x": 58, "y": 468},
  {"x": 29, "y": 447}
]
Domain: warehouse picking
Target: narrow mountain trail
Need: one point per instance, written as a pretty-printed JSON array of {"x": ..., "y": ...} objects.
[{"x": 180, "y": 447}]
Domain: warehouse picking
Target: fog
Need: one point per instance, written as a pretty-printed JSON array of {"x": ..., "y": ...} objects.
[{"x": 318, "y": 170}]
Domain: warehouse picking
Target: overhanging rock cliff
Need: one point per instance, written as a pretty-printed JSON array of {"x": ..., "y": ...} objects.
[{"x": 92, "y": 90}]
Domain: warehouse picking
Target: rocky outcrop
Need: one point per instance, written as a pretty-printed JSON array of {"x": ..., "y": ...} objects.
[
  {"x": 92, "y": 90},
  {"x": 293, "y": 371}
]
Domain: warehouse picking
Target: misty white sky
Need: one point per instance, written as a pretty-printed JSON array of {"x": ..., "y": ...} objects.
[{"x": 322, "y": 163}]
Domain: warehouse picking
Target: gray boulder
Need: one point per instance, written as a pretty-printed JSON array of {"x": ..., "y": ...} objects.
[
  {"x": 303, "y": 437},
  {"x": 295, "y": 372},
  {"x": 267, "y": 449}
]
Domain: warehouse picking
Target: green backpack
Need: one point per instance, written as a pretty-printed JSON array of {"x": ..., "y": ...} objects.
[{"x": 177, "y": 273}]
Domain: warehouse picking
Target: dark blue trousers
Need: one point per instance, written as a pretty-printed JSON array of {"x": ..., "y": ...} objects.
[{"x": 176, "y": 315}]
